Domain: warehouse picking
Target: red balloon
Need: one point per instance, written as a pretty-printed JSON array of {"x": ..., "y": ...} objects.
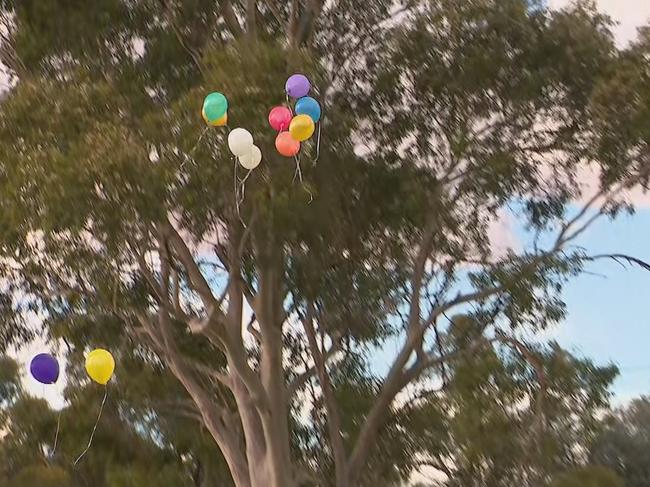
[
  {"x": 280, "y": 118},
  {"x": 286, "y": 145}
]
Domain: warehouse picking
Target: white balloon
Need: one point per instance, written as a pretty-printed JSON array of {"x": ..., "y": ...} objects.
[
  {"x": 252, "y": 159},
  {"x": 240, "y": 141}
]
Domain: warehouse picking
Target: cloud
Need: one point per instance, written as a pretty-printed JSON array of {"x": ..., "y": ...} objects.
[
  {"x": 502, "y": 234},
  {"x": 589, "y": 178}
]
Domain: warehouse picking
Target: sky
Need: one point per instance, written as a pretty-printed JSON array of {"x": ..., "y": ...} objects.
[{"x": 607, "y": 319}]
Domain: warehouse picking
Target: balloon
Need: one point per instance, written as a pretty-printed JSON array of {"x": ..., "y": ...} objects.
[
  {"x": 301, "y": 127},
  {"x": 100, "y": 366},
  {"x": 286, "y": 145},
  {"x": 220, "y": 122},
  {"x": 308, "y": 106},
  {"x": 251, "y": 160},
  {"x": 240, "y": 141},
  {"x": 298, "y": 86},
  {"x": 280, "y": 118},
  {"x": 44, "y": 368},
  {"x": 215, "y": 107}
]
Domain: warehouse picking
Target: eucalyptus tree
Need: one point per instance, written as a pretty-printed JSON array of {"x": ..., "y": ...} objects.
[{"x": 120, "y": 222}]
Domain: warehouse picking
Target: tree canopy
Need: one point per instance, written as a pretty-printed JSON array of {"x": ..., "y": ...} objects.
[{"x": 118, "y": 222}]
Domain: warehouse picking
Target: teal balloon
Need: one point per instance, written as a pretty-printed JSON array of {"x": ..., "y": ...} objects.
[
  {"x": 308, "y": 106},
  {"x": 215, "y": 106}
]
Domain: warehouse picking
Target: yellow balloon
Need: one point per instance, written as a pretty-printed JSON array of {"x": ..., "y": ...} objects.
[
  {"x": 301, "y": 128},
  {"x": 100, "y": 366},
  {"x": 221, "y": 122}
]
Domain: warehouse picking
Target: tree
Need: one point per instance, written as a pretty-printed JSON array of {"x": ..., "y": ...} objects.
[
  {"x": 623, "y": 446},
  {"x": 509, "y": 415},
  {"x": 119, "y": 218}
]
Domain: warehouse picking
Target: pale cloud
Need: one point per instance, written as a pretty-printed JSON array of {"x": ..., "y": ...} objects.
[
  {"x": 589, "y": 179},
  {"x": 502, "y": 234}
]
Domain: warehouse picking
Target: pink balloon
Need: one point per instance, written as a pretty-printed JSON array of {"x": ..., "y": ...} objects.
[{"x": 280, "y": 118}]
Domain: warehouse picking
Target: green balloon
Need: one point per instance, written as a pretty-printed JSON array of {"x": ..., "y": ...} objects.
[{"x": 215, "y": 106}]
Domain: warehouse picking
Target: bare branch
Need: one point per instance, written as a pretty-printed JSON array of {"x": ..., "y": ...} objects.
[{"x": 620, "y": 258}]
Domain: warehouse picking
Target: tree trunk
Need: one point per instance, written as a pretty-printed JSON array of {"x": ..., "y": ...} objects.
[{"x": 276, "y": 424}]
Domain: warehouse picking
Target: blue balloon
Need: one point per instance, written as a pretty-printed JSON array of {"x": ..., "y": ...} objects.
[{"x": 308, "y": 106}]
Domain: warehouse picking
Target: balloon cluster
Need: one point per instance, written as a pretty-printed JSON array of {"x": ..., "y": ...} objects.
[
  {"x": 100, "y": 366},
  {"x": 294, "y": 126},
  {"x": 240, "y": 140},
  {"x": 294, "y": 129}
]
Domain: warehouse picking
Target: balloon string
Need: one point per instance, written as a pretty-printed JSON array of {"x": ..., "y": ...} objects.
[
  {"x": 193, "y": 149},
  {"x": 298, "y": 173},
  {"x": 317, "y": 145},
  {"x": 242, "y": 192},
  {"x": 236, "y": 190},
  {"x": 205, "y": 131},
  {"x": 56, "y": 436},
  {"x": 92, "y": 435},
  {"x": 242, "y": 187}
]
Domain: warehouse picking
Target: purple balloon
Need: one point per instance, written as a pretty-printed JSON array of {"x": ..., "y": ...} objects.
[
  {"x": 45, "y": 368},
  {"x": 298, "y": 86}
]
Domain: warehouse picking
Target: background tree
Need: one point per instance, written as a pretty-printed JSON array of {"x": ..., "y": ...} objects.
[
  {"x": 119, "y": 222},
  {"x": 509, "y": 414},
  {"x": 623, "y": 446}
]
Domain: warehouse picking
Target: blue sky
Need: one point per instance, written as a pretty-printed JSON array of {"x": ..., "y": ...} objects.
[{"x": 608, "y": 320}]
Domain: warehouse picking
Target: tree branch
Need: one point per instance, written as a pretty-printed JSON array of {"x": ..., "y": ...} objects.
[
  {"x": 618, "y": 258},
  {"x": 230, "y": 17},
  {"x": 197, "y": 279},
  {"x": 300, "y": 380},
  {"x": 334, "y": 420},
  {"x": 251, "y": 21}
]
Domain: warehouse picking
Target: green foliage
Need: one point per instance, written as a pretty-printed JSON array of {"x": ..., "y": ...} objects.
[
  {"x": 589, "y": 477},
  {"x": 45, "y": 476}
]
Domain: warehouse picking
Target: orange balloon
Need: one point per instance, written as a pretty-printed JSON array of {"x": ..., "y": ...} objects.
[{"x": 286, "y": 145}]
